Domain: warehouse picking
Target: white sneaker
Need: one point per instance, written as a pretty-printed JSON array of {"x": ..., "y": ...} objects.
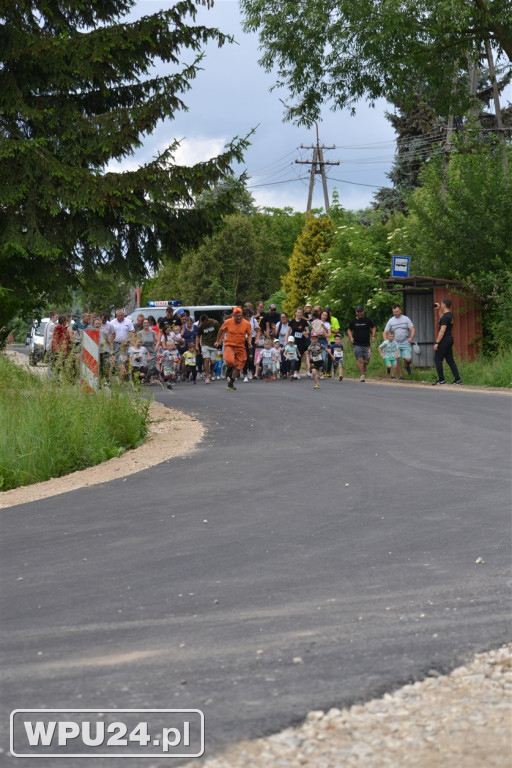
[
  {"x": 245, "y": 378},
  {"x": 249, "y": 375},
  {"x": 362, "y": 378},
  {"x": 308, "y": 373}
]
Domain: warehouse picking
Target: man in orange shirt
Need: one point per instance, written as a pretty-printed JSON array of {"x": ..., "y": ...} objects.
[{"x": 235, "y": 331}]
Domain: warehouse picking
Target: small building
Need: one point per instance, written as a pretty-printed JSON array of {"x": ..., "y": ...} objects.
[{"x": 419, "y": 296}]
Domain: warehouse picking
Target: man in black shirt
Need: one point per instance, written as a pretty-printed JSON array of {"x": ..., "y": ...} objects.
[
  {"x": 269, "y": 321},
  {"x": 359, "y": 331},
  {"x": 443, "y": 348}
]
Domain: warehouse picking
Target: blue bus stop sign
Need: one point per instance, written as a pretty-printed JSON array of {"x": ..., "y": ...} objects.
[{"x": 400, "y": 266}]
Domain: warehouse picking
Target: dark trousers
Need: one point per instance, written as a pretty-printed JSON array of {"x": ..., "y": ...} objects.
[
  {"x": 444, "y": 351},
  {"x": 249, "y": 363}
]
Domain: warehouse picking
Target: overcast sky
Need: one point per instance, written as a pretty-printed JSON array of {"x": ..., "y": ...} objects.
[{"x": 232, "y": 96}]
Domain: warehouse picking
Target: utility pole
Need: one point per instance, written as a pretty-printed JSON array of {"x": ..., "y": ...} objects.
[
  {"x": 317, "y": 167},
  {"x": 497, "y": 105}
]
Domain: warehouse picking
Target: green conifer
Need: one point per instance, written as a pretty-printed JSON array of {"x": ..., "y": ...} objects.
[{"x": 79, "y": 89}]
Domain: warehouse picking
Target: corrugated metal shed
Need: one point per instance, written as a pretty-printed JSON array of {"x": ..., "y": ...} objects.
[
  {"x": 467, "y": 329},
  {"x": 420, "y": 294}
]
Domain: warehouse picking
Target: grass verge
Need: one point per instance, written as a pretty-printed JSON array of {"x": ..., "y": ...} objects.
[{"x": 50, "y": 430}]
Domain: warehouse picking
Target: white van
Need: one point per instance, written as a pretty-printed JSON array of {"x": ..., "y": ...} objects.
[{"x": 214, "y": 311}]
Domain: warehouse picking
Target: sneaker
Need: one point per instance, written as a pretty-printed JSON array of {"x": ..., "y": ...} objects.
[
  {"x": 388, "y": 371},
  {"x": 194, "y": 381},
  {"x": 308, "y": 373},
  {"x": 438, "y": 382},
  {"x": 393, "y": 378},
  {"x": 231, "y": 386},
  {"x": 297, "y": 377},
  {"x": 401, "y": 378},
  {"x": 249, "y": 375},
  {"x": 213, "y": 377},
  {"x": 341, "y": 378},
  {"x": 328, "y": 375},
  {"x": 246, "y": 379},
  {"x": 207, "y": 380},
  {"x": 272, "y": 378},
  {"x": 457, "y": 381},
  {"x": 362, "y": 378},
  {"x": 317, "y": 386},
  {"x": 169, "y": 386},
  {"x": 408, "y": 369},
  {"x": 266, "y": 378}
]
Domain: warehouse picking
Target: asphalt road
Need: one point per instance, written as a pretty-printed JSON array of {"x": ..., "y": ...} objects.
[{"x": 338, "y": 560}]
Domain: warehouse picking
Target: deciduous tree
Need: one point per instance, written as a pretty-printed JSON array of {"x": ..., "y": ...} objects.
[
  {"x": 339, "y": 51},
  {"x": 459, "y": 227}
]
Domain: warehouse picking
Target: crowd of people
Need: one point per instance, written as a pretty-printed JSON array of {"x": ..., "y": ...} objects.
[{"x": 250, "y": 343}]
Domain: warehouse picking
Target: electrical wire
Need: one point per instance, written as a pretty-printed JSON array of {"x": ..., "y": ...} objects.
[
  {"x": 273, "y": 183},
  {"x": 354, "y": 183}
]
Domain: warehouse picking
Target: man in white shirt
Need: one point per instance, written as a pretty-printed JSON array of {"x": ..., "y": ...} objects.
[
  {"x": 123, "y": 329},
  {"x": 404, "y": 334}
]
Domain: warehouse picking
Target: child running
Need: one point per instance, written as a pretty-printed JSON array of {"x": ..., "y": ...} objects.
[
  {"x": 190, "y": 362},
  {"x": 168, "y": 363},
  {"x": 276, "y": 362},
  {"x": 291, "y": 354},
  {"x": 315, "y": 359},
  {"x": 335, "y": 349},
  {"x": 389, "y": 352},
  {"x": 266, "y": 360}
]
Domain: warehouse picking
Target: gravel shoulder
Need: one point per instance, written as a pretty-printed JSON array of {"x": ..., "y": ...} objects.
[{"x": 461, "y": 720}]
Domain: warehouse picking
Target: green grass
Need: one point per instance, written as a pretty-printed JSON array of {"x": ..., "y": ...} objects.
[
  {"x": 50, "y": 429},
  {"x": 483, "y": 372}
]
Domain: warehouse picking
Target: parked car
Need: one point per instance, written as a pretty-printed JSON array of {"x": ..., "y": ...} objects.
[{"x": 36, "y": 341}]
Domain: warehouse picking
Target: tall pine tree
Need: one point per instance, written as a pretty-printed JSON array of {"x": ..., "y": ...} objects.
[{"x": 78, "y": 89}]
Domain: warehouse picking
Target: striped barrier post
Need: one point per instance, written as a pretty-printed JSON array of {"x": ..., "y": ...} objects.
[{"x": 90, "y": 360}]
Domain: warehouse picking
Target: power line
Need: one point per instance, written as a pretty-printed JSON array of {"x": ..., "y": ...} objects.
[
  {"x": 274, "y": 183},
  {"x": 355, "y": 183}
]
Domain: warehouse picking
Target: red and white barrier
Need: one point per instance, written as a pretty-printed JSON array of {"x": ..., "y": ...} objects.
[{"x": 90, "y": 360}]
